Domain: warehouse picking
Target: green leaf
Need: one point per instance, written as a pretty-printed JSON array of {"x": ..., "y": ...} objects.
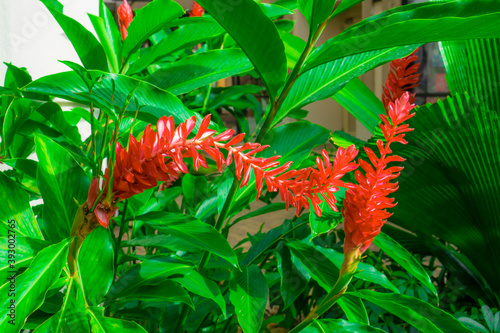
[
  {"x": 147, "y": 21},
  {"x": 412, "y": 24},
  {"x": 27, "y": 291},
  {"x": 95, "y": 263},
  {"x": 101, "y": 324},
  {"x": 404, "y": 258},
  {"x": 194, "y": 191},
  {"x": 294, "y": 141},
  {"x": 19, "y": 110},
  {"x": 249, "y": 296},
  {"x": 106, "y": 40},
  {"x": 86, "y": 45},
  {"x": 362, "y": 103},
  {"x": 154, "y": 102},
  {"x": 473, "y": 325},
  {"x": 293, "y": 281},
  {"x": 274, "y": 11},
  {"x": 315, "y": 263},
  {"x": 200, "y": 285},
  {"x": 345, "y": 5},
  {"x": 354, "y": 309},
  {"x": 72, "y": 316},
  {"x": 63, "y": 185},
  {"x": 167, "y": 291},
  {"x": 232, "y": 93},
  {"x": 25, "y": 250},
  {"x": 199, "y": 234},
  {"x": 183, "y": 37},
  {"x": 272, "y": 207},
  {"x": 343, "y": 139},
  {"x": 339, "y": 326},
  {"x": 329, "y": 218},
  {"x": 16, "y": 210},
  {"x": 327, "y": 79},
  {"x": 364, "y": 271},
  {"x": 417, "y": 313},
  {"x": 235, "y": 18},
  {"x": 316, "y": 12},
  {"x": 113, "y": 36},
  {"x": 54, "y": 114},
  {"x": 149, "y": 272},
  {"x": 199, "y": 70}
]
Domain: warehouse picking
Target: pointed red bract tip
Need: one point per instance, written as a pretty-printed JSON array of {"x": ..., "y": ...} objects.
[
  {"x": 125, "y": 16},
  {"x": 196, "y": 10}
]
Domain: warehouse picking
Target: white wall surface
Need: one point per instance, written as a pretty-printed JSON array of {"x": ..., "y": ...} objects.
[{"x": 30, "y": 37}]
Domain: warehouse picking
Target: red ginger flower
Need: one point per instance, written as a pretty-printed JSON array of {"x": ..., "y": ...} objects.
[
  {"x": 125, "y": 16},
  {"x": 365, "y": 205},
  {"x": 196, "y": 10},
  {"x": 402, "y": 77},
  {"x": 159, "y": 156}
]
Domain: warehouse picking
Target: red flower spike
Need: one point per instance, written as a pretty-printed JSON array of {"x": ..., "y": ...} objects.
[
  {"x": 196, "y": 10},
  {"x": 365, "y": 205},
  {"x": 125, "y": 16},
  {"x": 402, "y": 77}
]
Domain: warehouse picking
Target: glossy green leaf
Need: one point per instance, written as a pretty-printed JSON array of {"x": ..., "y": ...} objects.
[
  {"x": 149, "y": 272},
  {"x": 165, "y": 241},
  {"x": 235, "y": 18},
  {"x": 249, "y": 295},
  {"x": 147, "y": 21},
  {"x": 339, "y": 326},
  {"x": 315, "y": 263},
  {"x": 232, "y": 92},
  {"x": 274, "y": 11},
  {"x": 412, "y": 24},
  {"x": 294, "y": 141},
  {"x": 167, "y": 291},
  {"x": 199, "y": 234},
  {"x": 22, "y": 254},
  {"x": 113, "y": 36},
  {"x": 473, "y": 325},
  {"x": 17, "y": 113},
  {"x": 345, "y": 5},
  {"x": 199, "y": 70},
  {"x": 101, "y": 324},
  {"x": 404, "y": 258},
  {"x": 364, "y": 272},
  {"x": 329, "y": 218},
  {"x": 63, "y": 185},
  {"x": 362, "y": 103},
  {"x": 272, "y": 207},
  {"x": 27, "y": 292},
  {"x": 343, "y": 139},
  {"x": 54, "y": 114},
  {"x": 316, "y": 12},
  {"x": 294, "y": 46},
  {"x": 354, "y": 309},
  {"x": 106, "y": 41},
  {"x": 327, "y": 79},
  {"x": 87, "y": 47},
  {"x": 421, "y": 315},
  {"x": 17, "y": 208},
  {"x": 95, "y": 262},
  {"x": 185, "y": 36},
  {"x": 293, "y": 281},
  {"x": 200, "y": 285},
  {"x": 154, "y": 102},
  {"x": 72, "y": 316}
]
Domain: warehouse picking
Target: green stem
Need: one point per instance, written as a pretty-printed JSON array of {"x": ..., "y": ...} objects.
[
  {"x": 103, "y": 146},
  {"x": 180, "y": 322},
  {"x": 93, "y": 139},
  {"x": 220, "y": 220},
  {"x": 120, "y": 232}
]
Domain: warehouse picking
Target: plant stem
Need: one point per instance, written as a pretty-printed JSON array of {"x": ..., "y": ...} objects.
[{"x": 120, "y": 233}]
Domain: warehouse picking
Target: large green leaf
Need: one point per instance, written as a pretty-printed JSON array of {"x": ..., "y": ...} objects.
[
  {"x": 197, "y": 233},
  {"x": 339, "y": 326},
  {"x": 16, "y": 210},
  {"x": 412, "y": 24},
  {"x": 249, "y": 295},
  {"x": 86, "y": 45},
  {"x": 186, "y": 35},
  {"x": 17, "y": 114},
  {"x": 353, "y": 308},
  {"x": 106, "y": 40},
  {"x": 200, "y": 285},
  {"x": 26, "y": 292},
  {"x": 450, "y": 187},
  {"x": 149, "y": 272},
  {"x": 473, "y": 66},
  {"x": 154, "y": 102},
  {"x": 316, "y": 12},
  {"x": 21, "y": 254},
  {"x": 421, "y": 315},
  {"x": 293, "y": 281},
  {"x": 101, "y": 324},
  {"x": 166, "y": 291},
  {"x": 315, "y": 264},
  {"x": 404, "y": 258},
  {"x": 147, "y": 21},
  {"x": 263, "y": 46},
  {"x": 327, "y": 79},
  {"x": 199, "y": 70},
  {"x": 95, "y": 262},
  {"x": 72, "y": 316},
  {"x": 63, "y": 185},
  {"x": 362, "y": 103}
]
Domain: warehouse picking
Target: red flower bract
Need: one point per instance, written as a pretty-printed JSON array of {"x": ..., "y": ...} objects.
[
  {"x": 125, "y": 16},
  {"x": 196, "y": 10},
  {"x": 365, "y": 205},
  {"x": 159, "y": 156},
  {"x": 402, "y": 77}
]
